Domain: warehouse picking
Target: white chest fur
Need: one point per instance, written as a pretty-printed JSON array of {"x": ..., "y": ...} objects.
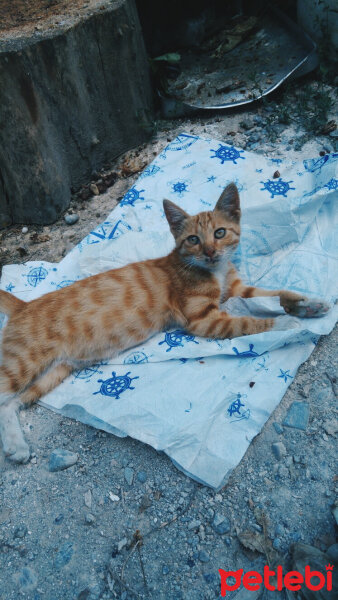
[{"x": 221, "y": 274}]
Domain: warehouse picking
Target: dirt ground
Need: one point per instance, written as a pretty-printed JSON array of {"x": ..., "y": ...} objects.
[{"x": 65, "y": 536}]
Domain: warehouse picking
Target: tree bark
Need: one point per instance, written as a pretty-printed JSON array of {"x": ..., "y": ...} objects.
[{"x": 71, "y": 99}]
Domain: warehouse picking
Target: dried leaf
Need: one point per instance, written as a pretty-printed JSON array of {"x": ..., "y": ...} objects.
[{"x": 252, "y": 540}]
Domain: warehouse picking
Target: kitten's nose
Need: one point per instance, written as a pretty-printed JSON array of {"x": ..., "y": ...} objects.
[{"x": 209, "y": 251}]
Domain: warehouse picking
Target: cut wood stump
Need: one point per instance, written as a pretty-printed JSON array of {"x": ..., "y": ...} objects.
[{"x": 75, "y": 93}]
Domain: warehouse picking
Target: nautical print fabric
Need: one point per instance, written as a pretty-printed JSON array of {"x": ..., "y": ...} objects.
[{"x": 188, "y": 396}]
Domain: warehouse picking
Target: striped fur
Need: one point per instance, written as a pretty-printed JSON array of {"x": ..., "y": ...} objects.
[{"x": 45, "y": 339}]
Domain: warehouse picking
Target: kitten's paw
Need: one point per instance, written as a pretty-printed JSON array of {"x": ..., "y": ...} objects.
[
  {"x": 307, "y": 309},
  {"x": 19, "y": 453},
  {"x": 284, "y": 323}
]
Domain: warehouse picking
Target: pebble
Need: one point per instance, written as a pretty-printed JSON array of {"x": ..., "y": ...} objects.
[
  {"x": 59, "y": 519},
  {"x": 113, "y": 497},
  {"x": 221, "y": 524},
  {"x": 94, "y": 189},
  {"x": 279, "y": 529},
  {"x": 297, "y": 416},
  {"x": 71, "y": 219},
  {"x": 129, "y": 475},
  {"x": 62, "y": 459},
  {"x": 210, "y": 578},
  {"x": 165, "y": 570},
  {"x": 279, "y": 450},
  {"x": 90, "y": 519},
  {"x": 26, "y": 579},
  {"x": 142, "y": 476},
  {"x": 20, "y": 531},
  {"x": 88, "y": 499},
  {"x": 194, "y": 524},
  {"x": 24, "y": 230},
  {"x": 122, "y": 543},
  {"x": 278, "y": 428},
  {"x": 203, "y": 556}
]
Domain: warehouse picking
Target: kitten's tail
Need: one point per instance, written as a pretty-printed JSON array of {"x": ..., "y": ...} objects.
[{"x": 9, "y": 303}]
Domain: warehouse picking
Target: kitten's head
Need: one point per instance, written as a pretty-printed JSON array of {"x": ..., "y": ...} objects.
[{"x": 208, "y": 238}]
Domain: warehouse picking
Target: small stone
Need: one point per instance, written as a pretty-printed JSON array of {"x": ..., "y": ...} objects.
[
  {"x": 90, "y": 519},
  {"x": 71, "y": 219},
  {"x": 334, "y": 134},
  {"x": 297, "y": 416},
  {"x": 24, "y": 230},
  {"x": 26, "y": 579},
  {"x": 62, "y": 459},
  {"x": 129, "y": 475},
  {"x": 331, "y": 426},
  {"x": 279, "y": 450},
  {"x": 210, "y": 578},
  {"x": 278, "y": 428},
  {"x": 121, "y": 544},
  {"x": 59, "y": 519},
  {"x": 279, "y": 529},
  {"x": 283, "y": 472},
  {"x": 194, "y": 524},
  {"x": 20, "y": 531},
  {"x": 88, "y": 499},
  {"x": 165, "y": 570},
  {"x": 142, "y": 476},
  {"x": 203, "y": 556},
  {"x": 113, "y": 497},
  {"x": 94, "y": 189},
  {"x": 221, "y": 524}
]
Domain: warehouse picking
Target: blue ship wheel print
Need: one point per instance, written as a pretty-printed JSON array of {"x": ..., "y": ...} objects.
[
  {"x": 179, "y": 187},
  {"x": 247, "y": 353},
  {"x": 115, "y": 385},
  {"x": 175, "y": 338},
  {"x": 277, "y": 187},
  {"x": 131, "y": 196},
  {"x": 36, "y": 275},
  {"x": 227, "y": 153}
]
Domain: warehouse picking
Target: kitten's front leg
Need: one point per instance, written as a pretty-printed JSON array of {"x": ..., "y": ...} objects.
[
  {"x": 294, "y": 304},
  {"x": 13, "y": 441}
]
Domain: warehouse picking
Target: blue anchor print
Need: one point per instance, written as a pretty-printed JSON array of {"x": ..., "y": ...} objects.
[
  {"x": 175, "y": 338},
  {"x": 277, "y": 188},
  {"x": 285, "y": 375},
  {"x": 316, "y": 164},
  {"x": 225, "y": 153},
  {"x": 115, "y": 385},
  {"x": 87, "y": 373},
  {"x": 36, "y": 275},
  {"x": 131, "y": 196}
]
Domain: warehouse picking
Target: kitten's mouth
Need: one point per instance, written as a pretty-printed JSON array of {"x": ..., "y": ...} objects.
[{"x": 212, "y": 259}]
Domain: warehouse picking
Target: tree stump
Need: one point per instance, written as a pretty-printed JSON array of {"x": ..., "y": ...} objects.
[{"x": 75, "y": 93}]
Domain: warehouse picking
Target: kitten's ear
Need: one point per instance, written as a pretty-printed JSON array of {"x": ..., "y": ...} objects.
[
  {"x": 176, "y": 217},
  {"x": 228, "y": 203}
]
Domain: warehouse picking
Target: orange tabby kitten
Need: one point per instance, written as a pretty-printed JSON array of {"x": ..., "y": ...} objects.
[{"x": 104, "y": 314}]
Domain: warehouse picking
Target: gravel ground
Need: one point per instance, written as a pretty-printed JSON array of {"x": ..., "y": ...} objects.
[{"x": 122, "y": 522}]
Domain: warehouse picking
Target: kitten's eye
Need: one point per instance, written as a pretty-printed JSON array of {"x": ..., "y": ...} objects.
[
  {"x": 219, "y": 233},
  {"x": 193, "y": 239}
]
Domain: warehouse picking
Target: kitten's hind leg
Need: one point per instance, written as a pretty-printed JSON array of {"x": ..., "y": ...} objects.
[
  {"x": 13, "y": 441},
  {"x": 47, "y": 382}
]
